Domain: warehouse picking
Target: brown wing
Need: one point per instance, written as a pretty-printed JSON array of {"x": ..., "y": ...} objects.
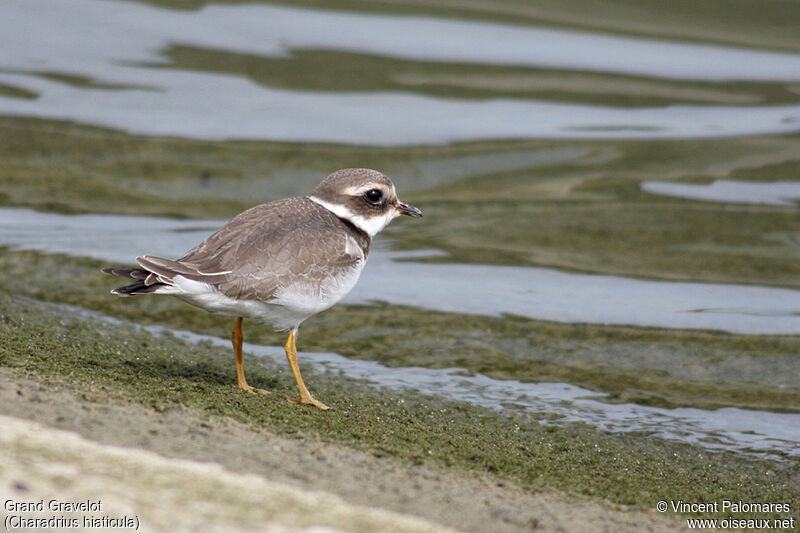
[{"x": 268, "y": 246}]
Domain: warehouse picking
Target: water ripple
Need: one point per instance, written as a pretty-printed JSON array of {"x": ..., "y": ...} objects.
[{"x": 120, "y": 44}]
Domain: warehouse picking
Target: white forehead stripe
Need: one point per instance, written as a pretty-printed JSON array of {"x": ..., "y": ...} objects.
[
  {"x": 358, "y": 190},
  {"x": 370, "y": 225}
]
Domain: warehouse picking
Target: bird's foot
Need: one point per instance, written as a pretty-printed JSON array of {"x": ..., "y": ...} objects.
[
  {"x": 253, "y": 390},
  {"x": 309, "y": 401}
]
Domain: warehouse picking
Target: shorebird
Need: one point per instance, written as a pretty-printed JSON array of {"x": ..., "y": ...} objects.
[{"x": 280, "y": 262}]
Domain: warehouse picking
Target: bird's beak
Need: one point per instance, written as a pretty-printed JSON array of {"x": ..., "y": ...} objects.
[{"x": 405, "y": 209}]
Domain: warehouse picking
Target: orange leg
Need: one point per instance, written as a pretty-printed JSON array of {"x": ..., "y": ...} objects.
[
  {"x": 237, "y": 339},
  {"x": 291, "y": 355}
]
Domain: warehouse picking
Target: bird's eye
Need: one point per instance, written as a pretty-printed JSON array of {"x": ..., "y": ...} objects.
[{"x": 374, "y": 195}]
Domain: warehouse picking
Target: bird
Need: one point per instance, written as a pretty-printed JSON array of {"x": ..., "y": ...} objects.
[{"x": 280, "y": 262}]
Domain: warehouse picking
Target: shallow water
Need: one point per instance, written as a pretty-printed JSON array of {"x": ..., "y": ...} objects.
[
  {"x": 723, "y": 429},
  {"x": 727, "y": 191},
  {"x": 537, "y": 293},
  {"x": 127, "y": 87},
  {"x": 730, "y": 429}
]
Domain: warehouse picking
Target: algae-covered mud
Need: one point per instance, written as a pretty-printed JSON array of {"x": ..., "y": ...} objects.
[
  {"x": 601, "y": 307},
  {"x": 642, "y": 365},
  {"x": 120, "y": 363}
]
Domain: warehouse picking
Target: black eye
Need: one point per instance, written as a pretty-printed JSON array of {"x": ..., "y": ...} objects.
[{"x": 374, "y": 195}]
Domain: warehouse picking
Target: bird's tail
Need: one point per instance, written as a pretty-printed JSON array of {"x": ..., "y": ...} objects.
[{"x": 140, "y": 286}]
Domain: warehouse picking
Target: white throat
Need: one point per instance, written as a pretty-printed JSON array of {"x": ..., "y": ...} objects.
[{"x": 370, "y": 225}]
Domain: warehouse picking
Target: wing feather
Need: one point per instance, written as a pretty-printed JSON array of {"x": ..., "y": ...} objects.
[{"x": 267, "y": 248}]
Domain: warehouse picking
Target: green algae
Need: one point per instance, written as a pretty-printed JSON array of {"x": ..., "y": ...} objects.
[
  {"x": 639, "y": 235},
  {"x": 333, "y": 70},
  {"x": 16, "y": 92},
  {"x": 123, "y": 363},
  {"x": 591, "y": 215},
  {"x": 82, "y": 81},
  {"x": 666, "y": 368},
  {"x": 582, "y": 211}
]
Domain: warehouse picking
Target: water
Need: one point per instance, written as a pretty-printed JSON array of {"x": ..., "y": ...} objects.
[
  {"x": 538, "y": 293},
  {"x": 151, "y": 100},
  {"x": 727, "y": 191}
]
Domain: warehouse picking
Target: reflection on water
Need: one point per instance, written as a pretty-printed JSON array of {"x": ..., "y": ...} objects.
[
  {"x": 537, "y": 293},
  {"x": 110, "y": 44},
  {"x": 737, "y": 192}
]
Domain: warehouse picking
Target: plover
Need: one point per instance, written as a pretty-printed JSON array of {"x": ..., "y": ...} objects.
[{"x": 279, "y": 262}]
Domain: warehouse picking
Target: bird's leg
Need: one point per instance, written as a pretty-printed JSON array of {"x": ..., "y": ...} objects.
[
  {"x": 291, "y": 355},
  {"x": 236, "y": 339}
]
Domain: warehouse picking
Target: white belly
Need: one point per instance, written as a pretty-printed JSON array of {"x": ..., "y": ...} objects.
[
  {"x": 291, "y": 305},
  {"x": 308, "y": 299}
]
